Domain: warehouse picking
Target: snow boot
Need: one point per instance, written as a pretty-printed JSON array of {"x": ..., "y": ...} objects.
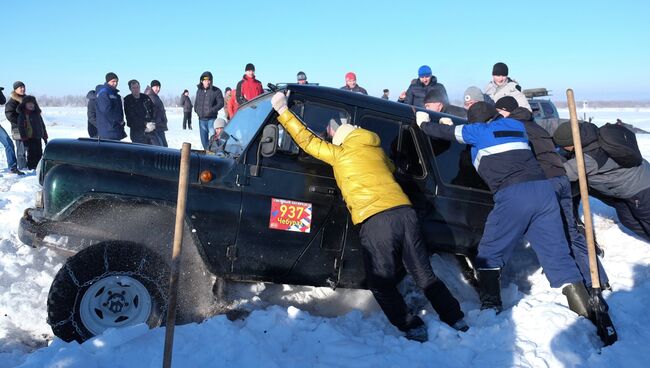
[
  {"x": 489, "y": 289},
  {"x": 444, "y": 303},
  {"x": 578, "y": 298},
  {"x": 460, "y": 325},
  {"x": 419, "y": 333}
]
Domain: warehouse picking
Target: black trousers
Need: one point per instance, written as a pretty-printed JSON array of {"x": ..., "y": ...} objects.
[
  {"x": 390, "y": 240},
  {"x": 34, "y": 150},
  {"x": 187, "y": 119}
]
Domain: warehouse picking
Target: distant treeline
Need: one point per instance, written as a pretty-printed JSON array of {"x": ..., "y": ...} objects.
[
  {"x": 79, "y": 101},
  {"x": 592, "y": 104}
]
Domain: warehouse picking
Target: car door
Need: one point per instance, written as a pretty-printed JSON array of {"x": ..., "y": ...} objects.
[{"x": 293, "y": 220}]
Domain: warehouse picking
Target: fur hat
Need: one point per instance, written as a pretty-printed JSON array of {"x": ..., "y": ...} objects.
[
  {"x": 481, "y": 112},
  {"x": 507, "y": 103},
  {"x": 341, "y": 133}
]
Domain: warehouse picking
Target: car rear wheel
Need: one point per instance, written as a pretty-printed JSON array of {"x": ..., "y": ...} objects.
[{"x": 107, "y": 285}]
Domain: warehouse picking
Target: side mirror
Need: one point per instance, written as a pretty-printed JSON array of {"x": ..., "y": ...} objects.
[
  {"x": 268, "y": 146},
  {"x": 269, "y": 142}
]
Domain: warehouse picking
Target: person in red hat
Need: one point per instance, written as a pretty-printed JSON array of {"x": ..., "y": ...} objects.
[{"x": 351, "y": 84}]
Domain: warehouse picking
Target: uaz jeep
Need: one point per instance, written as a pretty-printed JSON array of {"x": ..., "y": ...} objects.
[{"x": 262, "y": 210}]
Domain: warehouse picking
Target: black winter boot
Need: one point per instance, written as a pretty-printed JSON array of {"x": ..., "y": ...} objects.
[
  {"x": 489, "y": 289},
  {"x": 444, "y": 303},
  {"x": 578, "y": 298}
]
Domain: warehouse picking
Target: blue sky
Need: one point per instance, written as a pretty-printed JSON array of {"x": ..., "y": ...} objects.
[{"x": 601, "y": 49}]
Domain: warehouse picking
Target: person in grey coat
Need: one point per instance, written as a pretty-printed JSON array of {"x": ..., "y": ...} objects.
[
  {"x": 187, "y": 109},
  {"x": 501, "y": 86},
  {"x": 627, "y": 189},
  {"x": 208, "y": 102}
]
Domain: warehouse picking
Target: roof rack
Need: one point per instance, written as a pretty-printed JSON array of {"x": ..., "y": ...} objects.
[{"x": 536, "y": 92}]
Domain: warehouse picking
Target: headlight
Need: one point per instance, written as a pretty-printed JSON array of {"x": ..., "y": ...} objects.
[{"x": 39, "y": 199}]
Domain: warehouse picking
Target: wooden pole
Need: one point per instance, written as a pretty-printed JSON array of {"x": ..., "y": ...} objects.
[
  {"x": 183, "y": 181},
  {"x": 584, "y": 193}
]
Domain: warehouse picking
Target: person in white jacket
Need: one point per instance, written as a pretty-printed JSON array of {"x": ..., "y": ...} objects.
[{"x": 501, "y": 86}]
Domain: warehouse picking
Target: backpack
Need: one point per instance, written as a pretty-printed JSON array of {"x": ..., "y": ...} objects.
[{"x": 620, "y": 144}]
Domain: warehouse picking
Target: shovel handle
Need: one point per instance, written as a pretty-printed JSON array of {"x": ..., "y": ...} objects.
[{"x": 584, "y": 192}]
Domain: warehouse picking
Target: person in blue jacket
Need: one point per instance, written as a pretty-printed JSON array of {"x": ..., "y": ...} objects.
[
  {"x": 109, "y": 113},
  {"x": 524, "y": 204}
]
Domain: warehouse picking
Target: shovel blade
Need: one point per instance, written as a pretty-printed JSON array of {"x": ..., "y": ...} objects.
[{"x": 601, "y": 319}]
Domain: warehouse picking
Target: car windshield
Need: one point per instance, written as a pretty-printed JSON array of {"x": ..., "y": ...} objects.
[{"x": 243, "y": 126}]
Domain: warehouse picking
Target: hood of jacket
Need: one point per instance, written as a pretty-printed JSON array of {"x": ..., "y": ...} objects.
[{"x": 361, "y": 137}]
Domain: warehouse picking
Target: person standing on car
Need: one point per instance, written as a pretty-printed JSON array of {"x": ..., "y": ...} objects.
[
  {"x": 501, "y": 86},
  {"x": 187, "y": 109},
  {"x": 524, "y": 204},
  {"x": 351, "y": 84},
  {"x": 159, "y": 114},
  {"x": 11, "y": 112},
  {"x": 32, "y": 130},
  {"x": 138, "y": 109},
  {"x": 419, "y": 88},
  {"x": 208, "y": 102},
  {"x": 627, "y": 189},
  {"x": 390, "y": 231},
  {"x": 544, "y": 150},
  {"x": 436, "y": 100},
  {"x": 5, "y": 140},
  {"x": 110, "y": 117},
  {"x": 248, "y": 88}
]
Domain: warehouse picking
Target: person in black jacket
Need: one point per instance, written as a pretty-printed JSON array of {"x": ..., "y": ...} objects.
[
  {"x": 92, "y": 113},
  {"x": 544, "y": 150},
  {"x": 159, "y": 114},
  {"x": 351, "y": 84},
  {"x": 419, "y": 88},
  {"x": 32, "y": 130},
  {"x": 11, "y": 112},
  {"x": 436, "y": 100},
  {"x": 138, "y": 110},
  {"x": 5, "y": 140},
  {"x": 208, "y": 102},
  {"x": 187, "y": 109}
]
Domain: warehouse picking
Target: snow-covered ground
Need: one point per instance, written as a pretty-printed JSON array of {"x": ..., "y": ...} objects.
[{"x": 317, "y": 327}]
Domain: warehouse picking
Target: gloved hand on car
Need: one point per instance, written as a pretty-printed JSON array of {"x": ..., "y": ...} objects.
[
  {"x": 422, "y": 117},
  {"x": 150, "y": 127}
]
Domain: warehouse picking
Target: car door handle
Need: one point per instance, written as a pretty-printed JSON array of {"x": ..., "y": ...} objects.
[{"x": 322, "y": 190}]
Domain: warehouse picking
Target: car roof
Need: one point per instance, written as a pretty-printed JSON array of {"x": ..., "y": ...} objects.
[{"x": 357, "y": 99}]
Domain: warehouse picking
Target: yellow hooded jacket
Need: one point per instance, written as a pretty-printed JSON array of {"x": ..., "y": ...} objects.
[{"x": 361, "y": 169}]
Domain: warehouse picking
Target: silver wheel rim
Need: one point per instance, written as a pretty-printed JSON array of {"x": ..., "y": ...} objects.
[{"x": 114, "y": 301}]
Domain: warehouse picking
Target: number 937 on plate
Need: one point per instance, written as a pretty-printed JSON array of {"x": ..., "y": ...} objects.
[{"x": 290, "y": 215}]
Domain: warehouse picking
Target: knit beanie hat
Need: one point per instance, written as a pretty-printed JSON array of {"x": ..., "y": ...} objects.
[
  {"x": 350, "y": 76},
  {"x": 341, "y": 133},
  {"x": 18, "y": 84},
  {"x": 424, "y": 71},
  {"x": 110, "y": 76},
  {"x": 507, "y": 103},
  {"x": 563, "y": 136},
  {"x": 473, "y": 93},
  {"x": 155, "y": 82},
  {"x": 249, "y": 66},
  {"x": 132, "y": 82},
  {"x": 481, "y": 112},
  {"x": 301, "y": 76},
  {"x": 500, "y": 69},
  {"x": 219, "y": 123}
]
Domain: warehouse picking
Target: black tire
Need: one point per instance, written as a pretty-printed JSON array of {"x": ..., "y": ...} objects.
[{"x": 100, "y": 262}]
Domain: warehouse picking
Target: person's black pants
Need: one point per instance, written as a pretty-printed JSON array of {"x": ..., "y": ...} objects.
[
  {"x": 187, "y": 119},
  {"x": 389, "y": 240},
  {"x": 34, "y": 150}
]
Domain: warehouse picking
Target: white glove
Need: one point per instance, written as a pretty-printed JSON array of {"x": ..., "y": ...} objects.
[
  {"x": 446, "y": 121},
  {"x": 279, "y": 102},
  {"x": 422, "y": 117},
  {"x": 150, "y": 127}
]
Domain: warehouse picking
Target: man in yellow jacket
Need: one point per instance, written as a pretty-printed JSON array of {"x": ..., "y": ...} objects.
[{"x": 390, "y": 231}]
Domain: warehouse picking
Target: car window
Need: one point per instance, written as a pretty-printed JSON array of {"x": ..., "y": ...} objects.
[
  {"x": 245, "y": 124},
  {"x": 317, "y": 117},
  {"x": 386, "y": 129},
  {"x": 548, "y": 109},
  {"x": 537, "y": 110},
  {"x": 409, "y": 161},
  {"x": 454, "y": 162}
]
